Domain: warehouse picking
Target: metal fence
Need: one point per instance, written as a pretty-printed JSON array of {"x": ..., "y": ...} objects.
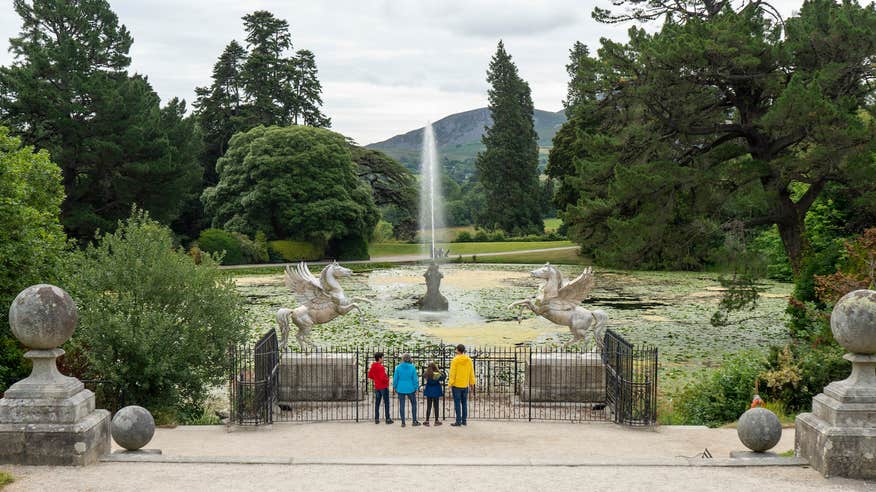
[{"x": 519, "y": 382}]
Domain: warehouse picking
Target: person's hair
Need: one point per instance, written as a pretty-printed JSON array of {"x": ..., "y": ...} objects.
[
  {"x": 378, "y": 356},
  {"x": 460, "y": 348},
  {"x": 431, "y": 370},
  {"x": 406, "y": 357}
]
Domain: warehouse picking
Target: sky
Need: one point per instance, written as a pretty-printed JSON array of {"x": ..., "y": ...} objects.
[{"x": 386, "y": 66}]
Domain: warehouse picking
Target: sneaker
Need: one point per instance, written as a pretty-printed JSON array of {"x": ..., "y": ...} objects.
[
  {"x": 403, "y": 424},
  {"x": 416, "y": 424},
  {"x": 437, "y": 423},
  {"x": 426, "y": 423},
  {"x": 455, "y": 424},
  {"x": 465, "y": 423},
  {"x": 388, "y": 421}
]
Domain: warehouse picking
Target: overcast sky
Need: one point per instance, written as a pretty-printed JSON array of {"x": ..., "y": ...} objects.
[{"x": 386, "y": 66}]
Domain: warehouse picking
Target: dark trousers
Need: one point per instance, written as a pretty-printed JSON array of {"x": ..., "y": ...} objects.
[
  {"x": 381, "y": 395},
  {"x": 401, "y": 405},
  {"x": 430, "y": 403},
  {"x": 460, "y": 404}
]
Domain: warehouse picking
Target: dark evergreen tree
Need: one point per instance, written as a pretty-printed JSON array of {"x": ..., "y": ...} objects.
[
  {"x": 69, "y": 91},
  {"x": 508, "y": 166},
  {"x": 393, "y": 188},
  {"x": 307, "y": 91},
  {"x": 266, "y": 70},
  {"x": 724, "y": 116}
]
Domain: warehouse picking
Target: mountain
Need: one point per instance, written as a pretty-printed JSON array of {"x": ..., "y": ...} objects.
[{"x": 458, "y": 137}]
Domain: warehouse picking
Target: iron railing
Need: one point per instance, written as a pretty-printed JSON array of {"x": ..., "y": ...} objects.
[{"x": 521, "y": 382}]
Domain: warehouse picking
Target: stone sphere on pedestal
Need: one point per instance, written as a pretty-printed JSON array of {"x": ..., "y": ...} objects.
[
  {"x": 759, "y": 429},
  {"x": 133, "y": 427},
  {"x": 853, "y": 321},
  {"x": 43, "y": 317}
]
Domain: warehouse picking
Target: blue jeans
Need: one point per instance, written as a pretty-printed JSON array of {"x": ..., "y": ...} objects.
[
  {"x": 381, "y": 395},
  {"x": 460, "y": 404},
  {"x": 401, "y": 405}
]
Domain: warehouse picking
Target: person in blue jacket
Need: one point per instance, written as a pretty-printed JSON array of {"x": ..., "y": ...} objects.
[
  {"x": 406, "y": 383},
  {"x": 434, "y": 390}
]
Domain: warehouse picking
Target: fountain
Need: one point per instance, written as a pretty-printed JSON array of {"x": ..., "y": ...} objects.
[{"x": 431, "y": 217}]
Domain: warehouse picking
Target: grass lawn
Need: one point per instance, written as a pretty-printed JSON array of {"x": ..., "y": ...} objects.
[
  {"x": 5, "y": 479},
  {"x": 393, "y": 249},
  {"x": 552, "y": 224},
  {"x": 562, "y": 257}
]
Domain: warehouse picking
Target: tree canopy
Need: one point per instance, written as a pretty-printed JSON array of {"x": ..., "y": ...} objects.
[
  {"x": 393, "y": 188},
  {"x": 295, "y": 182},
  {"x": 68, "y": 91},
  {"x": 508, "y": 166},
  {"x": 31, "y": 237},
  {"x": 715, "y": 120}
]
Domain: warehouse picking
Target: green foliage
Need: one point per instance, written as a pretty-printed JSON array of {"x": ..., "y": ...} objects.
[
  {"x": 150, "y": 320},
  {"x": 382, "y": 233},
  {"x": 721, "y": 395},
  {"x": 463, "y": 237},
  {"x": 222, "y": 244},
  {"x": 800, "y": 371},
  {"x": 292, "y": 182},
  {"x": 718, "y": 116},
  {"x": 31, "y": 238},
  {"x": 298, "y": 250},
  {"x": 262, "y": 84},
  {"x": 393, "y": 189},
  {"x": 5, "y": 479},
  {"x": 508, "y": 166},
  {"x": 348, "y": 248},
  {"x": 69, "y": 92},
  {"x": 768, "y": 244}
]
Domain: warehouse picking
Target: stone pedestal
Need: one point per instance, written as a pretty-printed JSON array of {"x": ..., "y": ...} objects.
[
  {"x": 48, "y": 418},
  {"x": 318, "y": 377},
  {"x": 564, "y": 377},
  {"x": 839, "y": 436}
]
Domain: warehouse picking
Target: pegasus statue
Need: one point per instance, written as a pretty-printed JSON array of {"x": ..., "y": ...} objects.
[
  {"x": 320, "y": 300},
  {"x": 559, "y": 302}
]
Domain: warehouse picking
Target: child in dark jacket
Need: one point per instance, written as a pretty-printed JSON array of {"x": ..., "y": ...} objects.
[{"x": 434, "y": 390}]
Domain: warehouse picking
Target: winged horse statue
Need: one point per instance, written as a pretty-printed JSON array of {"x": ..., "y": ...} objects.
[
  {"x": 320, "y": 300},
  {"x": 559, "y": 302}
]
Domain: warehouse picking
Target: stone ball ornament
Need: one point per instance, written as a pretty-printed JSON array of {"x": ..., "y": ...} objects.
[
  {"x": 132, "y": 427},
  {"x": 43, "y": 317},
  {"x": 853, "y": 321},
  {"x": 759, "y": 429}
]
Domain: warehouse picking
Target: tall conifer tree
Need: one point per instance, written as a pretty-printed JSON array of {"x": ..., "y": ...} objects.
[{"x": 508, "y": 166}]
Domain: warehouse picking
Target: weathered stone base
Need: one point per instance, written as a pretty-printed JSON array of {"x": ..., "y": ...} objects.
[
  {"x": 836, "y": 451},
  {"x": 565, "y": 378},
  {"x": 77, "y": 444},
  {"x": 319, "y": 377}
]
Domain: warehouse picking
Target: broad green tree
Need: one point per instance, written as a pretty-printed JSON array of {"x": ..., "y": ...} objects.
[
  {"x": 32, "y": 240},
  {"x": 508, "y": 166},
  {"x": 68, "y": 91},
  {"x": 295, "y": 182},
  {"x": 716, "y": 119},
  {"x": 393, "y": 188}
]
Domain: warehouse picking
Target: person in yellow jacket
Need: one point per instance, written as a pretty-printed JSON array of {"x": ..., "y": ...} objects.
[{"x": 461, "y": 379}]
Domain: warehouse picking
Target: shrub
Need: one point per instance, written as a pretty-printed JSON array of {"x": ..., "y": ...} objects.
[
  {"x": 32, "y": 241},
  {"x": 348, "y": 248},
  {"x": 497, "y": 236},
  {"x": 382, "y": 232},
  {"x": 721, "y": 395},
  {"x": 297, "y": 250},
  {"x": 222, "y": 244},
  {"x": 800, "y": 371},
  {"x": 463, "y": 237},
  {"x": 481, "y": 236},
  {"x": 252, "y": 251},
  {"x": 150, "y": 320}
]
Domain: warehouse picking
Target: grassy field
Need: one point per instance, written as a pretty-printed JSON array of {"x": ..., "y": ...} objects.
[
  {"x": 378, "y": 250},
  {"x": 562, "y": 257}
]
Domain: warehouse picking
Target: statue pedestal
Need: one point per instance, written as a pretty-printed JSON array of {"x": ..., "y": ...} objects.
[
  {"x": 318, "y": 377},
  {"x": 565, "y": 377},
  {"x": 50, "y": 419},
  {"x": 839, "y": 436}
]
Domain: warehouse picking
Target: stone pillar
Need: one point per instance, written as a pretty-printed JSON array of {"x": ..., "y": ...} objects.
[
  {"x": 565, "y": 377},
  {"x": 48, "y": 418},
  {"x": 839, "y": 436}
]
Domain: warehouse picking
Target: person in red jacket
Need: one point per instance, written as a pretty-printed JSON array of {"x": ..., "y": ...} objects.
[{"x": 377, "y": 373}]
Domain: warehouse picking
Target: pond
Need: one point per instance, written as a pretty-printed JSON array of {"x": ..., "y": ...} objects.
[{"x": 670, "y": 310}]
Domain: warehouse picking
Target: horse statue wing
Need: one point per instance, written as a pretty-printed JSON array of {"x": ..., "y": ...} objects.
[
  {"x": 572, "y": 293},
  {"x": 303, "y": 284}
]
